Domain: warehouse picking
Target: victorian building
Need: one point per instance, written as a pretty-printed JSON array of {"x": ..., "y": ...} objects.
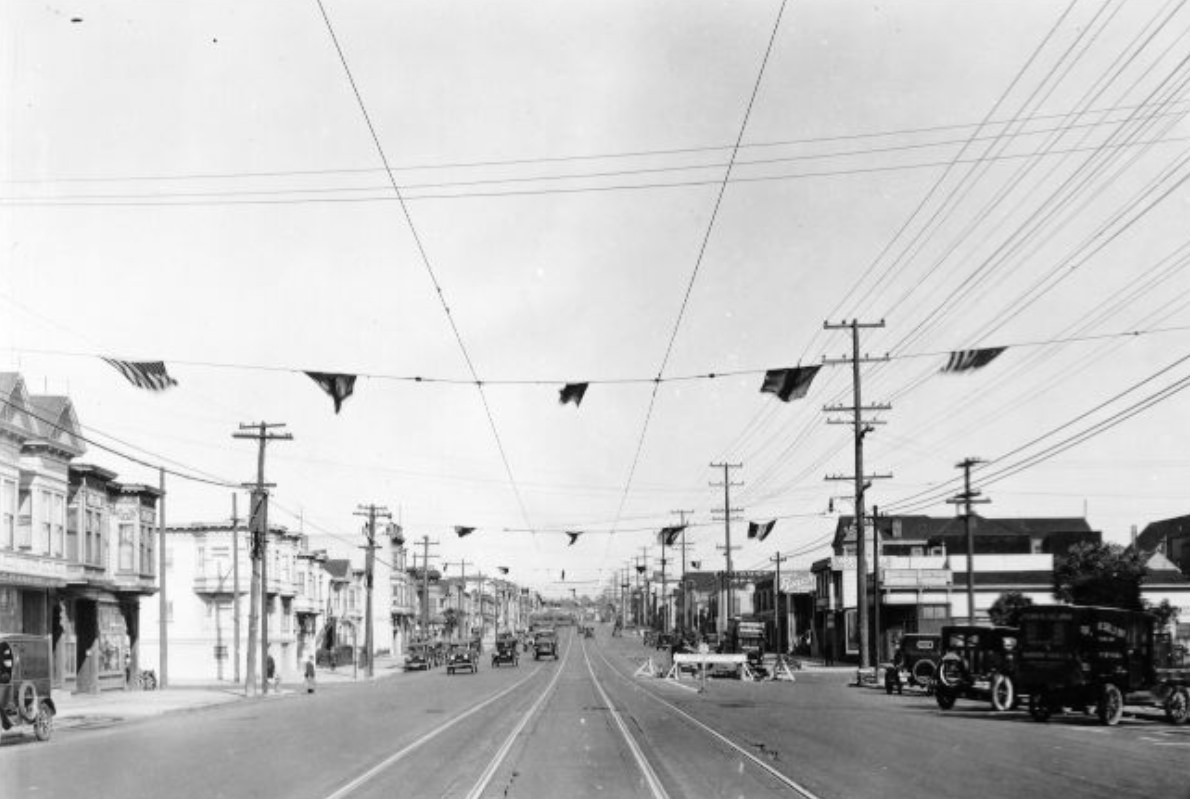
[{"x": 77, "y": 547}]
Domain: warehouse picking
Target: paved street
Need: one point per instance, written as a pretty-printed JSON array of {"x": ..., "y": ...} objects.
[{"x": 584, "y": 726}]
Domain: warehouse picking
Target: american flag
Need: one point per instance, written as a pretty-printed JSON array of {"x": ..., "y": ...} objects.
[{"x": 149, "y": 375}]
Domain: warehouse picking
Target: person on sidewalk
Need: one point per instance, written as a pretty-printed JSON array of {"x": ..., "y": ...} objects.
[
  {"x": 270, "y": 672},
  {"x": 310, "y": 675}
]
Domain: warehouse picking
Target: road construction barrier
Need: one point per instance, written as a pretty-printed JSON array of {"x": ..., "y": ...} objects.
[
  {"x": 646, "y": 669},
  {"x": 704, "y": 659}
]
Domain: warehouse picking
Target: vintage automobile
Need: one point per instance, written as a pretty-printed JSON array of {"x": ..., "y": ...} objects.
[
  {"x": 505, "y": 652},
  {"x": 25, "y": 695},
  {"x": 914, "y": 664},
  {"x": 545, "y": 644},
  {"x": 462, "y": 656},
  {"x": 418, "y": 657},
  {"x": 978, "y": 662},
  {"x": 1083, "y": 658}
]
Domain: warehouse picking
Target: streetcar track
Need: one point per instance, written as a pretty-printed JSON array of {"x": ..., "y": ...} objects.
[
  {"x": 485, "y": 778},
  {"x": 654, "y": 782},
  {"x": 793, "y": 785},
  {"x": 400, "y": 754}
]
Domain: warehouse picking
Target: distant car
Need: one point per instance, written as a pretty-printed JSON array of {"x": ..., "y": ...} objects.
[
  {"x": 462, "y": 656},
  {"x": 915, "y": 663},
  {"x": 978, "y": 662},
  {"x": 545, "y": 644},
  {"x": 418, "y": 658},
  {"x": 505, "y": 652}
]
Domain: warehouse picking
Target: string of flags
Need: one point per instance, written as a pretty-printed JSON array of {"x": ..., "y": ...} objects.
[
  {"x": 787, "y": 384},
  {"x": 463, "y": 532},
  {"x": 573, "y": 538}
]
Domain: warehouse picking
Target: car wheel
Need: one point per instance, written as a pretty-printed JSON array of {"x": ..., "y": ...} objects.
[
  {"x": 951, "y": 671},
  {"x": 1039, "y": 707},
  {"x": 43, "y": 728},
  {"x": 1177, "y": 706},
  {"x": 945, "y": 697},
  {"x": 1111, "y": 705},
  {"x": 1003, "y": 693}
]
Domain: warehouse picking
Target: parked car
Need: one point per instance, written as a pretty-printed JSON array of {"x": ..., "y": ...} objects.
[
  {"x": 418, "y": 657},
  {"x": 505, "y": 652},
  {"x": 915, "y": 663},
  {"x": 545, "y": 644},
  {"x": 978, "y": 662},
  {"x": 25, "y": 694},
  {"x": 1085, "y": 657},
  {"x": 462, "y": 656}
]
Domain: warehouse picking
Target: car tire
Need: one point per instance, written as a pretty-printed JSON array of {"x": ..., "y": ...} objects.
[
  {"x": 924, "y": 672},
  {"x": 951, "y": 671},
  {"x": 28, "y": 704},
  {"x": 43, "y": 728},
  {"x": 1003, "y": 693},
  {"x": 1111, "y": 705},
  {"x": 1177, "y": 706}
]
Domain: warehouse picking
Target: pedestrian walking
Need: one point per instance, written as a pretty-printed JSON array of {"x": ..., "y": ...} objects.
[
  {"x": 270, "y": 672},
  {"x": 310, "y": 675}
]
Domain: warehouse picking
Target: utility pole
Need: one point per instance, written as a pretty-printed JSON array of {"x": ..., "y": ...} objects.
[
  {"x": 967, "y": 498},
  {"x": 259, "y": 521},
  {"x": 462, "y": 564},
  {"x": 778, "y": 559},
  {"x": 878, "y": 546},
  {"x": 371, "y": 511},
  {"x": 425, "y": 584},
  {"x": 163, "y": 625},
  {"x": 685, "y": 591},
  {"x": 727, "y": 519},
  {"x": 861, "y": 427},
  {"x": 235, "y": 580}
]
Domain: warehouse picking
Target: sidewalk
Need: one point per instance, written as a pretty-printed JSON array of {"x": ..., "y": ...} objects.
[{"x": 92, "y": 711}]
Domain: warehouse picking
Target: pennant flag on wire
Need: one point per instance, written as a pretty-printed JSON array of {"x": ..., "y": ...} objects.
[
  {"x": 463, "y": 531},
  {"x": 563, "y": 575},
  {"x": 503, "y": 569},
  {"x": 970, "y": 360},
  {"x": 640, "y": 568},
  {"x": 696, "y": 564},
  {"x": 573, "y": 538},
  {"x": 669, "y": 535},
  {"x": 789, "y": 384},
  {"x": 572, "y": 392},
  {"x": 339, "y": 386},
  {"x": 149, "y": 375},
  {"x": 760, "y": 530}
]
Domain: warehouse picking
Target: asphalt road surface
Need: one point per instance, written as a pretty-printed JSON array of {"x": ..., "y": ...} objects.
[{"x": 584, "y": 726}]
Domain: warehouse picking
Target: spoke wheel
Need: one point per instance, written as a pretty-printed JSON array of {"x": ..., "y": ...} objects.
[
  {"x": 1177, "y": 706},
  {"x": 1003, "y": 693},
  {"x": 1111, "y": 705},
  {"x": 43, "y": 728}
]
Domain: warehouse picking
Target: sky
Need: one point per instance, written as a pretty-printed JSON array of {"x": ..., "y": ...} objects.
[{"x": 637, "y": 195}]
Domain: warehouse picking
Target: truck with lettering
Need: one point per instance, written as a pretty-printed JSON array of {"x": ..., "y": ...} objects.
[{"x": 1085, "y": 658}]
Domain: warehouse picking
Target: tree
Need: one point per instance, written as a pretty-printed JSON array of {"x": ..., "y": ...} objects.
[
  {"x": 1100, "y": 574},
  {"x": 1006, "y": 610}
]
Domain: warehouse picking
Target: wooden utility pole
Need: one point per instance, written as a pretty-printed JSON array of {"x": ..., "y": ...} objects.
[
  {"x": 967, "y": 498},
  {"x": 461, "y": 615},
  {"x": 685, "y": 590},
  {"x": 163, "y": 603},
  {"x": 727, "y": 519},
  {"x": 778, "y": 559},
  {"x": 235, "y": 581},
  {"x": 861, "y": 427},
  {"x": 425, "y": 584},
  {"x": 371, "y": 511},
  {"x": 259, "y": 525}
]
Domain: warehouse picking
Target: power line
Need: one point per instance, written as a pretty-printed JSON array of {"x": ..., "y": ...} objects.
[{"x": 425, "y": 260}]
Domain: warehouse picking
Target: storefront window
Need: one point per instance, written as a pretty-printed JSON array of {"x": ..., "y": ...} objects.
[{"x": 113, "y": 640}]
